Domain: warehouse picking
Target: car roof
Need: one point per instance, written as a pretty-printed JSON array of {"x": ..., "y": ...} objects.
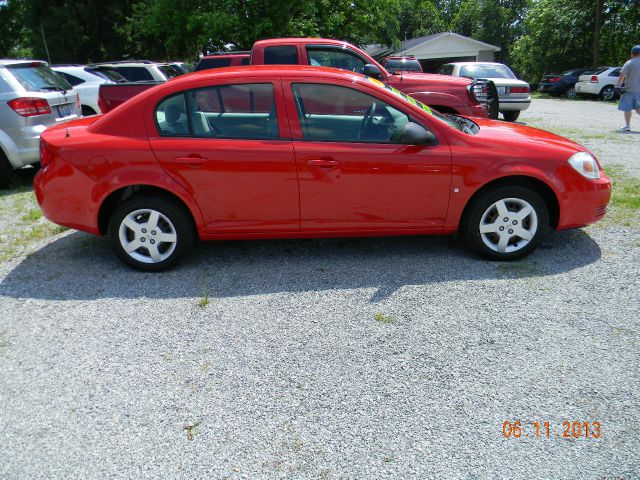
[
  {"x": 289, "y": 41},
  {"x": 476, "y": 63},
  {"x": 269, "y": 71},
  {"x": 14, "y": 61}
]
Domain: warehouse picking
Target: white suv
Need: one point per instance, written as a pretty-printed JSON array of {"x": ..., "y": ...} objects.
[
  {"x": 144, "y": 70},
  {"x": 32, "y": 98},
  {"x": 86, "y": 80},
  {"x": 600, "y": 81}
]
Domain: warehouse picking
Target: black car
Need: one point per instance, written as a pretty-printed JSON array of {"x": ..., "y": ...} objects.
[{"x": 557, "y": 84}]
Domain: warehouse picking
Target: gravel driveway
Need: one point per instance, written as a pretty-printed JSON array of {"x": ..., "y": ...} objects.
[{"x": 319, "y": 359}]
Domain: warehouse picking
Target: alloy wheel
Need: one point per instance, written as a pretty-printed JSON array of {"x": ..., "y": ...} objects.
[
  {"x": 147, "y": 236},
  {"x": 508, "y": 225}
]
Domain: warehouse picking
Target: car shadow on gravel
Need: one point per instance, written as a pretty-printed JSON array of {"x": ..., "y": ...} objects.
[{"x": 80, "y": 266}]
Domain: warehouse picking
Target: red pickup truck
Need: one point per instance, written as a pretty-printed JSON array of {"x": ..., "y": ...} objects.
[{"x": 447, "y": 94}]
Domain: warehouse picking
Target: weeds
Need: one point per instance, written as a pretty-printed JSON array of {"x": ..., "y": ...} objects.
[{"x": 382, "y": 318}]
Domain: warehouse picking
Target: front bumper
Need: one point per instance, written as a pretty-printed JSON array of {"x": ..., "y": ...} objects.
[{"x": 586, "y": 204}]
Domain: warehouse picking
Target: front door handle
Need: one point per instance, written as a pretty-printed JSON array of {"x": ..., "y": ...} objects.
[
  {"x": 322, "y": 162},
  {"x": 193, "y": 160}
]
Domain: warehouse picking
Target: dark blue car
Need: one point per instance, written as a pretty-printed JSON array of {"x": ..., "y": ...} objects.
[{"x": 557, "y": 84}]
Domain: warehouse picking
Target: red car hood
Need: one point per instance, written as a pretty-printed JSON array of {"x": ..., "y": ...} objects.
[
  {"x": 495, "y": 129},
  {"x": 410, "y": 79}
]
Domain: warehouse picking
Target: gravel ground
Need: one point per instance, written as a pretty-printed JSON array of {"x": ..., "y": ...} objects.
[{"x": 348, "y": 358}]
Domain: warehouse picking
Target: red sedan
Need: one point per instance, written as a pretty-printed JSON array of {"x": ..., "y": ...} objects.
[{"x": 291, "y": 152}]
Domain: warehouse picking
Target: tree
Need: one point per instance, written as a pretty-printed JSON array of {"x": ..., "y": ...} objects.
[{"x": 11, "y": 30}]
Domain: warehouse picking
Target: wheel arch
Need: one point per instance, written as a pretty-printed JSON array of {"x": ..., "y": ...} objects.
[
  {"x": 116, "y": 197},
  {"x": 540, "y": 187}
]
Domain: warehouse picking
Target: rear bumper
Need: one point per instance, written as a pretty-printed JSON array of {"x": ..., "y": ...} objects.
[
  {"x": 585, "y": 205},
  {"x": 552, "y": 88},
  {"x": 509, "y": 105},
  {"x": 588, "y": 88}
]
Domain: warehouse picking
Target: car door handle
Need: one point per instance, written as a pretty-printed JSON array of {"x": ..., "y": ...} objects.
[
  {"x": 322, "y": 162},
  {"x": 193, "y": 160}
]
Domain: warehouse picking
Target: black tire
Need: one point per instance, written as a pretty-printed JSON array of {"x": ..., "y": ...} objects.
[
  {"x": 6, "y": 171},
  {"x": 87, "y": 111},
  {"x": 511, "y": 116},
  {"x": 473, "y": 217},
  {"x": 608, "y": 93},
  {"x": 571, "y": 92},
  {"x": 177, "y": 221}
]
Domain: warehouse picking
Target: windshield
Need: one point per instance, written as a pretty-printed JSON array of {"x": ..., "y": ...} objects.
[
  {"x": 37, "y": 77},
  {"x": 406, "y": 65},
  {"x": 486, "y": 71},
  {"x": 107, "y": 74},
  {"x": 446, "y": 119}
]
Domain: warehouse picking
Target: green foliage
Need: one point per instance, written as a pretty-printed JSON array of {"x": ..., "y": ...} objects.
[
  {"x": 11, "y": 30},
  {"x": 559, "y": 34}
]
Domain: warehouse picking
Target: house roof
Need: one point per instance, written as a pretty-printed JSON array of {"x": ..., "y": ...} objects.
[{"x": 419, "y": 41}]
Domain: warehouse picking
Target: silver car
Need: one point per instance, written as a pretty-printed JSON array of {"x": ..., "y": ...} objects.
[{"x": 32, "y": 98}]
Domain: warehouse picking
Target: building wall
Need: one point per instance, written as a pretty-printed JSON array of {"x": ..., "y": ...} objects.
[{"x": 486, "y": 56}]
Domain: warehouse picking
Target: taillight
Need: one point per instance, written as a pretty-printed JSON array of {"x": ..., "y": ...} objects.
[
  {"x": 594, "y": 79},
  {"x": 519, "y": 89},
  {"x": 30, "y": 106},
  {"x": 46, "y": 155},
  {"x": 553, "y": 79}
]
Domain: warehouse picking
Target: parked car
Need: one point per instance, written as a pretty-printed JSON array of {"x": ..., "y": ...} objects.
[
  {"x": 86, "y": 80},
  {"x": 144, "y": 70},
  {"x": 32, "y": 98},
  {"x": 557, "y": 84},
  {"x": 223, "y": 59},
  {"x": 402, "y": 64},
  {"x": 477, "y": 98},
  {"x": 600, "y": 82},
  {"x": 289, "y": 152},
  {"x": 513, "y": 94},
  {"x": 448, "y": 95}
]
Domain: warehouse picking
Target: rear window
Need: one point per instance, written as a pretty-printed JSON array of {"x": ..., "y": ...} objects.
[
  {"x": 486, "y": 71},
  {"x": 207, "y": 63},
  {"x": 38, "y": 78},
  {"x": 596, "y": 71},
  {"x": 134, "y": 74},
  {"x": 245, "y": 61},
  {"x": 281, "y": 55},
  {"x": 406, "y": 65},
  {"x": 168, "y": 71},
  {"x": 106, "y": 73}
]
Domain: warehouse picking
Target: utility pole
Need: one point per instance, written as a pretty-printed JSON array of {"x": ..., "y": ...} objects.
[{"x": 596, "y": 32}]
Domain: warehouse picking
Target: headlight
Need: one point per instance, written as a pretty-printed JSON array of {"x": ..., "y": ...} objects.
[{"x": 585, "y": 165}]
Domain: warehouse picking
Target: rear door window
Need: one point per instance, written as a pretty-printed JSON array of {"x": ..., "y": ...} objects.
[
  {"x": 134, "y": 74},
  {"x": 36, "y": 77},
  {"x": 207, "y": 63},
  {"x": 281, "y": 55},
  {"x": 106, "y": 73},
  {"x": 243, "y": 111},
  {"x": 72, "y": 79}
]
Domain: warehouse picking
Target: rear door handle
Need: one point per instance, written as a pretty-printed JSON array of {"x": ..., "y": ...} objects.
[
  {"x": 193, "y": 160},
  {"x": 322, "y": 162}
]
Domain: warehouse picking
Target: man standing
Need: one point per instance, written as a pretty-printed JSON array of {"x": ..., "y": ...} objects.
[{"x": 630, "y": 99}]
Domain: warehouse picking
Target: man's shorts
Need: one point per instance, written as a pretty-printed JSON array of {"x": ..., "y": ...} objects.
[{"x": 629, "y": 101}]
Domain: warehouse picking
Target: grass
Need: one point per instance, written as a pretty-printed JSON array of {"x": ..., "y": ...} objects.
[
  {"x": 624, "y": 207},
  {"x": 192, "y": 430},
  {"x": 382, "y": 318},
  {"x": 32, "y": 215},
  {"x": 204, "y": 300}
]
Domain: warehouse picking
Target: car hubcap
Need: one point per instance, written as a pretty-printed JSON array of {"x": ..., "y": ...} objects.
[
  {"x": 608, "y": 94},
  {"x": 147, "y": 236},
  {"x": 571, "y": 92},
  {"x": 508, "y": 225}
]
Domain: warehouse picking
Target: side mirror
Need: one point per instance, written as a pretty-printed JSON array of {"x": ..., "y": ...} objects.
[
  {"x": 414, "y": 134},
  {"x": 371, "y": 70}
]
